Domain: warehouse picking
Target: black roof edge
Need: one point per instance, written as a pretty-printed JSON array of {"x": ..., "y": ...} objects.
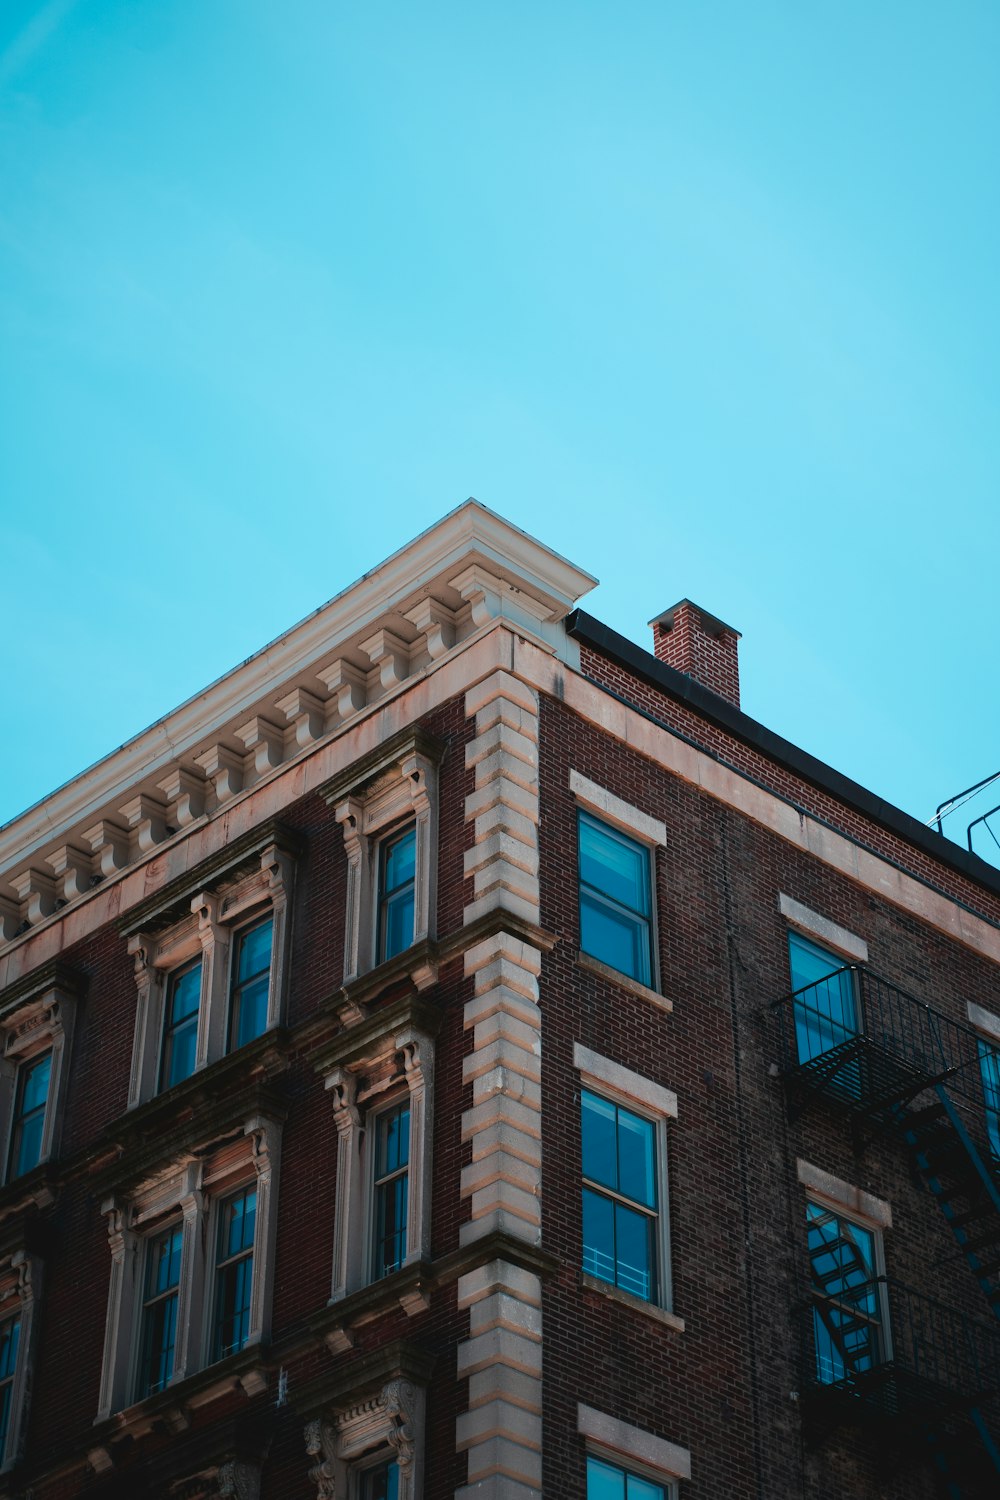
[{"x": 584, "y": 627}]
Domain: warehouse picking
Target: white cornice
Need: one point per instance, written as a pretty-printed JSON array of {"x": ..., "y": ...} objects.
[{"x": 470, "y": 563}]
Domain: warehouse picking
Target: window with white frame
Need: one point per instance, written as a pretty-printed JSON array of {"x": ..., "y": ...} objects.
[
  {"x": 625, "y": 1462},
  {"x": 624, "y": 1195},
  {"x": 20, "y": 1286},
  {"x": 383, "y": 1104},
  {"x": 616, "y": 843},
  {"x": 373, "y": 1450},
  {"x": 213, "y": 980},
  {"x": 388, "y": 810},
  {"x": 36, "y": 1032},
  {"x": 987, "y": 1028},
  {"x": 192, "y": 1263}
]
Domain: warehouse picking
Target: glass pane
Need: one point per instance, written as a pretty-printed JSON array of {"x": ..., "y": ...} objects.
[
  {"x": 599, "y": 1139},
  {"x": 615, "y": 865},
  {"x": 397, "y": 922},
  {"x": 160, "y": 1337},
  {"x": 251, "y": 1011},
  {"x": 824, "y": 1004},
  {"x": 180, "y": 1053},
  {"x": 604, "y": 1482},
  {"x": 164, "y": 1263},
  {"x": 614, "y": 936},
  {"x": 255, "y": 951},
  {"x": 237, "y": 1228},
  {"x": 10, "y": 1335},
  {"x": 634, "y": 1252},
  {"x": 28, "y": 1143},
  {"x": 393, "y": 1141},
  {"x": 185, "y": 995},
  {"x": 382, "y": 1483},
  {"x": 233, "y": 1306},
  {"x": 399, "y": 861},
  {"x": 643, "y": 1489},
  {"x": 989, "y": 1072},
  {"x": 390, "y": 1224},
  {"x": 847, "y": 1314},
  {"x": 35, "y": 1086},
  {"x": 636, "y": 1158},
  {"x": 598, "y": 1235}
]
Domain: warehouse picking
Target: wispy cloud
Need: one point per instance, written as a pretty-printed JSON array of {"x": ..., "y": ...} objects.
[{"x": 32, "y": 38}]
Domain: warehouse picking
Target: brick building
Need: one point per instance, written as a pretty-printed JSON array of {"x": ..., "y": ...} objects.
[{"x": 404, "y": 1095}]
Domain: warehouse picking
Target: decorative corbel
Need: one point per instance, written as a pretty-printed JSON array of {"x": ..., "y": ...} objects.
[
  {"x": 265, "y": 740},
  {"x": 346, "y": 686},
  {"x": 306, "y": 713},
  {"x": 240, "y": 1480},
  {"x": 436, "y": 623},
  {"x": 10, "y": 919},
  {"x": 109, "y": 841},
  {"x": 224, "y": 769},
  {"x": 390, "y": 654},
  {"x": 481, "y": 591},
  {"x": 321, "y": 1444},
  {"x": 147, "y": 817},
  {"x": 400, "y": 1399},
  {"x": 185, "y": 792},
  {"x": 72, "y": 869},
  {"x": 37, "y": 893}
]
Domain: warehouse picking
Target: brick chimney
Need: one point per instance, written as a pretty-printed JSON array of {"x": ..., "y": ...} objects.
[{"x": 691, "y": 640}]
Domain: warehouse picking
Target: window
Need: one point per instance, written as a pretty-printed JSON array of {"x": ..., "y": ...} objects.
[
  {"x": 159, "y": 1312},
  {"x": 608, "y": 1482},
  {"x": 989, "y": 1073},
  {"x": 35, "y": 1037},
  {"x": 391, "y": 1189},
  {"x": 629, "y": 1463},
  {"x": 234, "y": 1272},
  {"x": 373, "y": 1447},
  {"x": 619, "y": 1196},
  {"x": 180, "y": 1026},
  {"x": 387, "y": 807},
  {"x": 396, "y": 884},
  {"x": 824, "y": 1004},
  {"x": 211, "y": 980},
  {"x": 383, "y": 1106},
  {"x": 849, "y": 1319},
  {"x": 192, "y": 1257},
  {"x": 10, "y": 1336},
  {"x": 624, "y": 1189},
  {"x": 20, "y": 1275},
  {"x": 251, "y": 982},
  {"x": 615, "y": 899},
  {"x": 381, "y": 1483},
  {"x": 29, "y": 1114}
]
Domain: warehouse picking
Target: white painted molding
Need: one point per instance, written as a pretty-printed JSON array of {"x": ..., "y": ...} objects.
[
  {"x": 829, "y": 933},
  {"x": 597, "y": 799},
  {"x": 854, "y": 1201},
  {"x": 984, "y": 1021},
  {"x": 610, "y": 1075},
  {"x": 622, "y": 1440}
]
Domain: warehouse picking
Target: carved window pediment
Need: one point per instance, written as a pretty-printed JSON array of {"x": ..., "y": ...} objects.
[{"x": 387, "y": 1424}]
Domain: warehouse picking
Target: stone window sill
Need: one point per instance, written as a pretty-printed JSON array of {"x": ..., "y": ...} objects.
[
  {"x": 649, "y": 1309},
  {"x": 624, "y": 981}
]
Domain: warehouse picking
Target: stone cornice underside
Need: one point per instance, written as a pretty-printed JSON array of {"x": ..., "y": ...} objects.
[{"x": 398, "y": 622}]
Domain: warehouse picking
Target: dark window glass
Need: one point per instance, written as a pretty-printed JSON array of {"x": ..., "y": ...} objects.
[
  {"x": 10, "y": 1334},
  {"x": 608, "y": 1482},
  {"x": 251, "y": 981},
  {"x": 615, "y": 899},
  {"x": 619, "y": 1196},
  {"x": 29, "y": 1114},
  {"x": 180, "y": 1025},
  {"x": 381, "y": 1483},
  {"x": 824, "y": 1006},
  {"x": 848, "y": 1314},
  {"x": 159, "y": 1311},
  {"x": 397, "y": 865},
  {"x": 234, "y": 1272},
  {"x": 392, "y": 1156},
  {"x": 989, "y": 1072}
]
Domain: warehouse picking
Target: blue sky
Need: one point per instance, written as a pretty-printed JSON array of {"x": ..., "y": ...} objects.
[{"x": 703, "y": 295}]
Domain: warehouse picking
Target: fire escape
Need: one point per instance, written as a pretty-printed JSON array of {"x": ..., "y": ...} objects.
[{"x": 873, "y": 1350}]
